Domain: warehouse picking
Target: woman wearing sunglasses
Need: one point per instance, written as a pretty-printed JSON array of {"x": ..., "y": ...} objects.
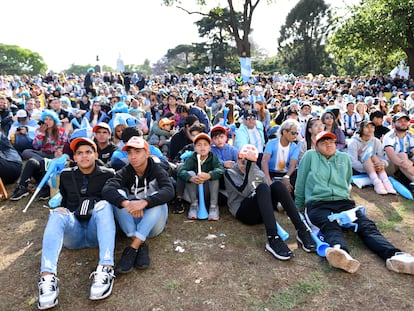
[{"x": 328, "y": 119}]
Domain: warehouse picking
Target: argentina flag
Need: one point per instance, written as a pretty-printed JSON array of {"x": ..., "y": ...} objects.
[{"x": 246, "y": 68}]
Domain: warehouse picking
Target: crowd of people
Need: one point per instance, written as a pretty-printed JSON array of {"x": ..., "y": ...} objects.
[{"x": 140, "y": 148}]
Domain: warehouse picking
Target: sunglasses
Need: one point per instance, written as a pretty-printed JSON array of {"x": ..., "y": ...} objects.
[
  {"x": 250, "y": 118},
  {"x": 328, "y": 117},
  {"x": 294, "y": 133}
]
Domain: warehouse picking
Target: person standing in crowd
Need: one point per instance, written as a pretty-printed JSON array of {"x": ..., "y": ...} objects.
[
  {"x": 65, "y": 226},
  {"x": 88, "y": 83},
  {"x": 252, "y": 201},
  {"x": 139, "y": 193},
  {"x": 326, "y": 168}
]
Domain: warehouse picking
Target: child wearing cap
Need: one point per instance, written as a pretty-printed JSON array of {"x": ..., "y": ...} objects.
[
  {"x": 211, "y": 171},
  {"x": 226, "y": 153},
  {"x": 323, "y": 188},
  {"x": 162, "y": 141}
]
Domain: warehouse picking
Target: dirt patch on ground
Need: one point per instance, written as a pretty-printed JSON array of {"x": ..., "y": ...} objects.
[{"x": 223, "y": 266}]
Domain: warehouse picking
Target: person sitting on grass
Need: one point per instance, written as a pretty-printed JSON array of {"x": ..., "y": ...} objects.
[
  {"x": 252, "y": 201},
  {"x": 139, "y": 193},
  {"x": 367, "y": 157},
  {"x": 211, "y": 171},
  {"x": 64, "y": 228},
  {"x": 162, "y": 141},
  {"x": 323, "y": 187},
  {"x": 226, "y": 153},
  {"x": 36, "y": 170}
]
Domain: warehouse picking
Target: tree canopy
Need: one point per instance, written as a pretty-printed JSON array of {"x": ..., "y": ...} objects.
[
  {"x": 18, "y": 61},
  {"x": 375, "y": 34}
]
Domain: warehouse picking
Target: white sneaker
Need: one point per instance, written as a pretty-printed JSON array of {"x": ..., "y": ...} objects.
[
  {"x": 213, "y": 213},
  {"x": 192, "y": 212},
  {"x": 401, "y": 263},
  {"x": 48, "y": 292},
  {"x": 339, "y": 258},
  {"x": 103, "y": 280}
]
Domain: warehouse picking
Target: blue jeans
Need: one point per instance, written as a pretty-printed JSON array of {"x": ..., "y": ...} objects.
[
  {"x": 149, "y": 226},
  {"x": 64, "y": 229}
]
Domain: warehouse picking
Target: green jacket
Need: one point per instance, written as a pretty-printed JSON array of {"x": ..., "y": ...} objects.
[
  {"x": 322, "y": 179},
  {"x": 211, "y": 165}
]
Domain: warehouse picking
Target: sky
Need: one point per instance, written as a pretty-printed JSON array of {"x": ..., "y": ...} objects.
[{"x": 76, "y": 31}]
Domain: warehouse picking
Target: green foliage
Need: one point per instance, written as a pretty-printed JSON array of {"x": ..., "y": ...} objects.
[
  {"x": 303, "y": 37},
  {"x": 377, "y": 33},
  {"x": 16, "y": 60}
]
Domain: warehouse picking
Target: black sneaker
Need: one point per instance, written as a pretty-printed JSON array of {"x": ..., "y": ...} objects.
[
  {"x": 19, "y": 192},
  {"x": 278, "y": 248},
  {"x": 178, "y": 207},
  {"x": 305, "y": 241},
  {"x": 142, "y": 261},
  {"x": 44, "y": 194},
  {"x": 126, "y": 263}
]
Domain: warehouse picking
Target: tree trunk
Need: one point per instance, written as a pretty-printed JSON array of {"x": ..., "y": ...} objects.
[{"x": 410, "y": 55}]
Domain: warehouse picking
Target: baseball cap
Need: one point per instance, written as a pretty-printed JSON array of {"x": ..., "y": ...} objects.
[
  {"x": 136, "y": 142},
  {"x": 218, "y": 128},
  {"x": 399, "y": 116},
  {"x": 324, "y": 134},
  {"x": 165, "y": 121},
  {"x": 201, "y": 136},
  {"x": 101, "y": 125},
  {"x": 21, "y": 114},
  {"x": 79, "y": 141},
  {"x": 249, "y": 112}
]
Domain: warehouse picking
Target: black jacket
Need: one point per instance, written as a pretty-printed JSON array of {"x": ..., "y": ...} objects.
[
  {"x": 154, "y": 186},
  {"x": 71, "y": 194}
]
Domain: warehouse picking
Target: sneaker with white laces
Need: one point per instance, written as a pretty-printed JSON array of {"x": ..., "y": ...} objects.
[
  {"x": 192, "y": 212},
  {"x": 338, "y": 258},
  {"x": 401, "y": 263},
  {"x": 213, "y": 212},
  {"x": 48, "y": 291},
  {"x": 103, "y": 281}
]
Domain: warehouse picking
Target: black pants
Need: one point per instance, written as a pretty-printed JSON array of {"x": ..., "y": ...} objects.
[
  {"x": 9, "y": 171},
  {"x": 260, "y": 207},
  {"x": 318, "y": 213},
  {"x": 33, "y": 168}
]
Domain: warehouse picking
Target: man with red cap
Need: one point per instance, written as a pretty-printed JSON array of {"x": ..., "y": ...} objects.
[
  {"x": 83, "y": 220},
  {"x": 139, "y": 193},
  {"x": 323, "y": 187},
  {"x": 104, "y": 145}
]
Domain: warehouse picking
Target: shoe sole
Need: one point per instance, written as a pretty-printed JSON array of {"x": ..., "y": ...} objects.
[
  {"x": 276, "y": 255},
  {"x": 43, "y": 198},
  {"x": 108, "y": 292},
  {"x": 18, "y": 198},
  {"x": 178, "y": 211},
  {"x": 400, "y": 266},
  {"x": 341, "y": 261},
  {"x": 142, "y": 267},
  {"x": 49, "y": 306},
  {"x": 302, "y": 245},
  {"x": 117, "y": 272}
]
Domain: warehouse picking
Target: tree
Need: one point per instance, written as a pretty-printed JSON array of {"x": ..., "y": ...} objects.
[
  {"x": 15, "y": 60},
  {"x": 303, "y": 37},
  {"x": 377, "y": 30},
  {"x": 239, "y": 31}
]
